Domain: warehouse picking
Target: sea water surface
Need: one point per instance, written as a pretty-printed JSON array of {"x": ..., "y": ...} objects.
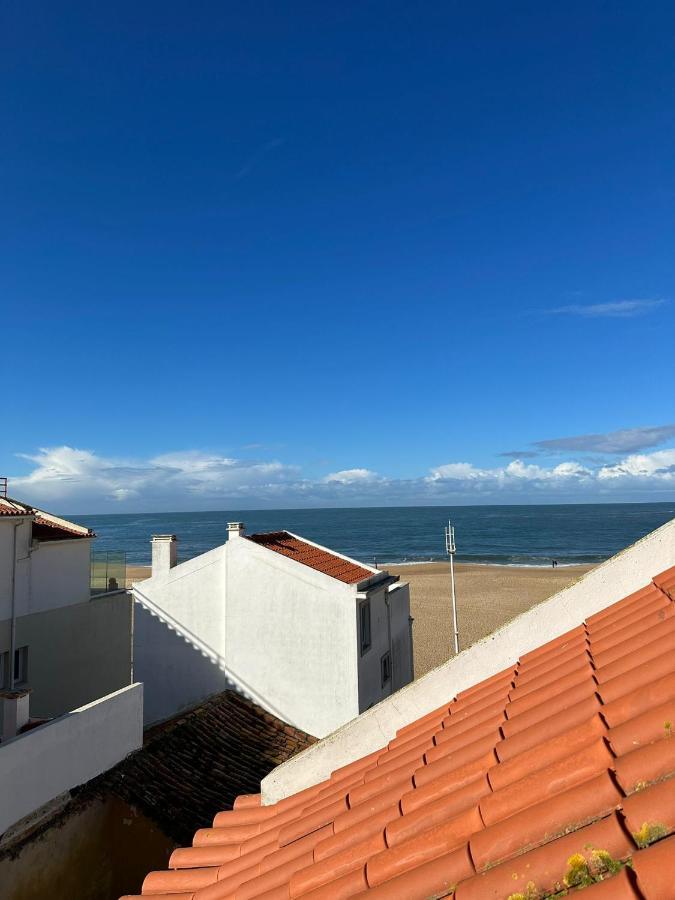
[{"x": 507, "y": 535}]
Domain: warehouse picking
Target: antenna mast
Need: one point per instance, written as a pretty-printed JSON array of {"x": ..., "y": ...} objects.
[{"x": 450, "y": 550}]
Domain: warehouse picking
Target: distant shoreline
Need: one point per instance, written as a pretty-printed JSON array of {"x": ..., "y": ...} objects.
[{"x": 139, "y": 571}]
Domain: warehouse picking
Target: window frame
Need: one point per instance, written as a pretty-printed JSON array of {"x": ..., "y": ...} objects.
[
  {"x": 365, "y": 640},
  {"x": 385, "y": 668},
  {"x": 5, "y": 670},
  {"x": 21, "y": 666}
]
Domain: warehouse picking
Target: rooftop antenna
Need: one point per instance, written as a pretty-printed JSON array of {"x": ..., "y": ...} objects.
[{"x": 450, "y": 549}]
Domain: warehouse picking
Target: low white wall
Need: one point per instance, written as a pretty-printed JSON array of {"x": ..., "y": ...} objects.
[
  {"x": 38, "y": 766},
  {"x": 619, "y": 576}
]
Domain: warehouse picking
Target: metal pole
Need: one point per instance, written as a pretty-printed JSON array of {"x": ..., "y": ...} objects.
[{"x": 450, "y": 547}]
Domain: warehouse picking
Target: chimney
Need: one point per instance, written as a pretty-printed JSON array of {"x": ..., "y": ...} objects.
[
  {"x": 3, "y": 486},
  {"x": 14, "y": 712},
  {"x": 235, "y": 530},
  {"x": 164, "y": 553}
]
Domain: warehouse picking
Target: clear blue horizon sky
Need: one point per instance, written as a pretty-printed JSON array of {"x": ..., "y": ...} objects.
[{"x": 260, "y": 254}]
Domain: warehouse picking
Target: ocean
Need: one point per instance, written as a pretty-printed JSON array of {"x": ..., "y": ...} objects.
[{"x": 506, "y": 535}]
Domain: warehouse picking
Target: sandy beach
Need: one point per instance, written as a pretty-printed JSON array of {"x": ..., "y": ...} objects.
[{"x": 487, "y": 597}]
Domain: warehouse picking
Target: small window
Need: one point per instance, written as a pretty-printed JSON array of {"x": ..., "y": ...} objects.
[
  {"x": 385, "y": 668},
  {"x": 21, "y": 665},
  {"x": 364, "y": 625},
  {"x": 4, "y": 671}
]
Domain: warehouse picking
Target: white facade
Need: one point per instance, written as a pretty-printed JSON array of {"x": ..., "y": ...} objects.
[
  {"x": 54, "y": 638},
  {"x": 40, "y": 575},
  {"x": 281, "y": 632},
  {"x": 41, "y": 764}
]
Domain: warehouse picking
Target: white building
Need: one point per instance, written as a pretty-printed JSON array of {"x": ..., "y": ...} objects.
[
  {"x": 312, "y": 636},
  {"x": 54, "y": 639}
]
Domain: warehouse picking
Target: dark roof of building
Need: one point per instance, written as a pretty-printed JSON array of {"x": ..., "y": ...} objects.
[
  {"x": 550, "y": 775},
  {"x": 317, "y": 558},
  {"x": 201, "y": 760}
]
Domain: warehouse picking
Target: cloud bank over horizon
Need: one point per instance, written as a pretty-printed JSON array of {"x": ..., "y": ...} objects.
[{"x": 71, "y": 480}]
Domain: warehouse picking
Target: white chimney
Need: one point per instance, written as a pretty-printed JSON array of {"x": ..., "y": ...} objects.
[
  {"x": 14, "y": 712},
  {"x": 164, "y": 553},
  {"x": 235, "y": 530}
]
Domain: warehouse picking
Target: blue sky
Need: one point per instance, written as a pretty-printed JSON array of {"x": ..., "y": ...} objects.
[{"x": 267, "y": 254}]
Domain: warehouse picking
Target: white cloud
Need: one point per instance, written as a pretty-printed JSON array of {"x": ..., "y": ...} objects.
[
  {"x": 69, "y": 480},
  {"x": 514, "y": 476},
  {"x": 617, "y": 309},
  {"x": 351, "y": 476},
  {"x": 656, "y": 467},
  {"x": 64, "y": 474}
]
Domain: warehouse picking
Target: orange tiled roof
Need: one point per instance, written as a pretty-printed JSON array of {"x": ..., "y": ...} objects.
[
  {"x": 46, "y": 527},
  {"x": 315, "y": 557},
  {"x": 551, "y": 774},
  {"x": 9, "y": 507}
]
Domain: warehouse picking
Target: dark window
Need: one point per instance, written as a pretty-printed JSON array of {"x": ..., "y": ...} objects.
[
  {"x": 385, "y": 668},
  {"x": 4, "y": 670},
  {"x": 21, "y": 665},
  {"x": 364, "y": 625}
]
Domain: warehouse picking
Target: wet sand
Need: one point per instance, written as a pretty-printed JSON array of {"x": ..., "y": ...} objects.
[{"x": 487, "y": 597}]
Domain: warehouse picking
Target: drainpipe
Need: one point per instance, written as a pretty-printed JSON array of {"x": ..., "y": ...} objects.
[{"x": 12, "y": 634}]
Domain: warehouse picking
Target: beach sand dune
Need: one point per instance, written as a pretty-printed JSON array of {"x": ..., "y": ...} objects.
[{"x": 487, "y": 597}]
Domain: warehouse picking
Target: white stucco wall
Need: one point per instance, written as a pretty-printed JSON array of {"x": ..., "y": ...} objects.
[
  {"x": 76, "y": 653},
  {"x": 290, "y": 632},
  {"x": 40, "y": 765},
  {"x": 282, "y": 633},
  {"x": 619, "y": 576},
  {"x": 178, "y": 635},
  {"x": 176, "y": 674},
  {"x": 49, "y": 574},
  {"x": 60, "y": 576},
  {"x": 22, "y": 568}
]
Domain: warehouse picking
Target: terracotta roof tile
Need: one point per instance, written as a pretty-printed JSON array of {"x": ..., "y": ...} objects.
[
  {"x": 655, "y": 870},
  {"x": 46, "y": 527},
  {"x": 9, "y": 507},
  {"x": 548, "y": 775},
  {"x": 193, "y": 765},
  {"x": 317, "y": 558}
]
